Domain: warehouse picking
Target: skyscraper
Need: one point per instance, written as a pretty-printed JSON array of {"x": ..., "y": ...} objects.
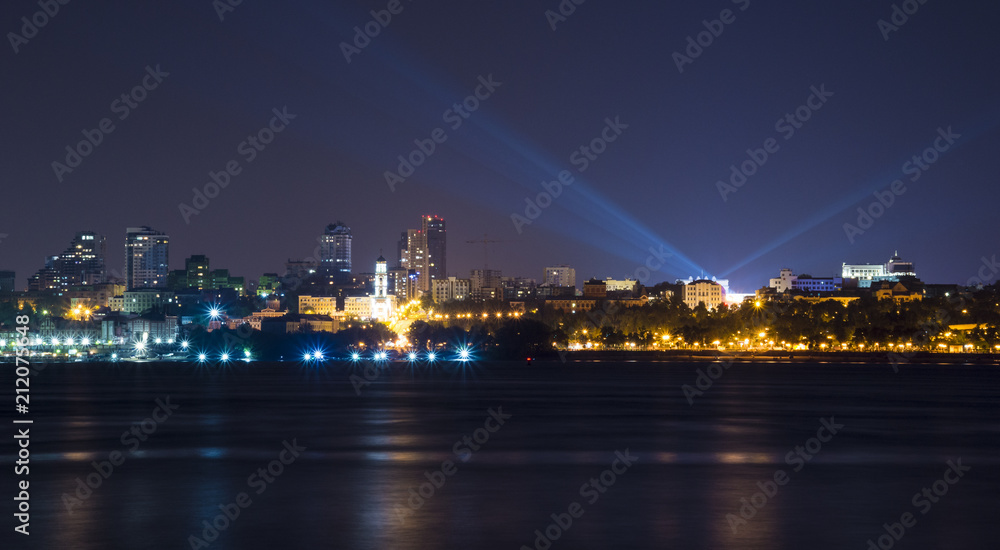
[
  {"x": 415, "y": 258},
  {"x": 82, "y": 263},
  {"x": 335, "y": 250},
  {"x": 437, "y": 262},
  {"x": 146, "y": 258},
  {"x": 424, "y": 251}
]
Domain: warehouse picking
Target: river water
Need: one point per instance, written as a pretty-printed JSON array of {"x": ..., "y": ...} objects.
[{"x": 561, "y": 456}]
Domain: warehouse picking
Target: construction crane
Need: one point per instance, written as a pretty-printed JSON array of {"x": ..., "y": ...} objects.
[{"x": 486, "y": 251}]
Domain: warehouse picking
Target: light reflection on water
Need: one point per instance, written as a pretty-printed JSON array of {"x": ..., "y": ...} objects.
[{"x": 365, "y": 453}]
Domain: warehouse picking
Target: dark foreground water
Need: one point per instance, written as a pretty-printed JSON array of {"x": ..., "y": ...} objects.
[{"x": 363, "y": 454}]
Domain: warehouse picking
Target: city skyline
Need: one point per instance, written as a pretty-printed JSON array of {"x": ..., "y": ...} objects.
[
  {"x": 668, "y": 156},
  {"x": 328, "y": 248}
]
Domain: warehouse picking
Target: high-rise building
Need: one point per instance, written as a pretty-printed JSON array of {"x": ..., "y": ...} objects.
[
  {"x": 437, "y": 259},
  {"x": 147, "y": 256},
  {"x": 82, "y": 263},
  {"x": 6, "y": 282},
  {"x": 415, "y": 258},
  {"x": 560, "y": 275},
  {"x": 397, "y": 282},
  {"x": 401, "y": 249},
  {"x": 335, "y": 250},
  {"x": 424, "y": 251}
]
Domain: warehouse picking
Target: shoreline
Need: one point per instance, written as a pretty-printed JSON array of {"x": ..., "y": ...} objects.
[
  {"x": 666, "y": 356},
  {"x": 880, "y": 358}
]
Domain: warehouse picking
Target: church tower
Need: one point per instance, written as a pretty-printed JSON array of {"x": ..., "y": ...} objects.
[{"x": 383, "y": 305}]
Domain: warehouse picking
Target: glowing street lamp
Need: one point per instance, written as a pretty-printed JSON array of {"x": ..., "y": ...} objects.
[
  {"x": 431, "y": 356},
  {"x": 202, "y": 358}
]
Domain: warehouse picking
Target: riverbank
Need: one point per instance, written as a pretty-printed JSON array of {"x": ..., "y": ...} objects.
[{"x": 668, "y": 356}]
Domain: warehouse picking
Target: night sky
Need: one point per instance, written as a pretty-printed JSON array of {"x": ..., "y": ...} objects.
[{"x": 654, "y": 186}]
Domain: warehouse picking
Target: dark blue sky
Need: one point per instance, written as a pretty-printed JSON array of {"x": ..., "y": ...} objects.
[{"x": 654, "y": 186}]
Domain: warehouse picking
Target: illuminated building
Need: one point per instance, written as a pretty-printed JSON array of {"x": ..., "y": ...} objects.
[
  {"x": 82, "y": 263},
  {"x": 198, "y": 274},
  {"x": 435, "y": 235},
  {"x": 147, "y": 256},
  {"x": 486, "y": 284},
  {"x": 784, "y": 281},
  {"x": 335, "y": 250},
  {"x": 449, "y": 289},
  {"x": 703, "y": 291},
  {"x": 560, "y": 275},
  {"x": 415, "y": 258},
  {"x": 145, "y": 299},
  {"x": 424, "y": 251},
  {"x": 866, "y": 273},
  {"x": 383, "y": 305}
]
